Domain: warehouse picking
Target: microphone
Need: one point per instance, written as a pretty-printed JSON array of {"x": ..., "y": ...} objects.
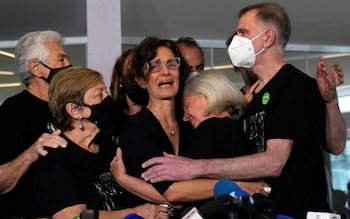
[
  {"x": 226, "y": 186},
  {"x": 264, "y": 206},
  {"x": 219, "y": 207},
  {"x": 133, "y": 216},
  {"x": 223, "y": 206}
]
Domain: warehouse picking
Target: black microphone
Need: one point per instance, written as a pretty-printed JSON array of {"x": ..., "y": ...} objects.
[
  {"x": 223, "y": 206},
  {"x": 264, "y": 206}
]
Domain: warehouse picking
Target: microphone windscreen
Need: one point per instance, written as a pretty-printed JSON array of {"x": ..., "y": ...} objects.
[
  {"x": 133, "y": 216},
  {"x": 262, "y": 202},
  {"x": 225, "y": 186},
  {"x": 218, "y": 207},
  {"x": 264, "y": 206}
]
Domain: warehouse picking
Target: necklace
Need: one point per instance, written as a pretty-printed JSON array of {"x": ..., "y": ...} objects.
[{"x": 172, "y": 130}]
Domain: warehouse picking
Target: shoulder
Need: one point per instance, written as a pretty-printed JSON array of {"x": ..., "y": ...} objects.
[
  {"x": 294, "y": 74},
  {"x": 218, "y": 125},
  {"x": 23, "y": 101},
  {"x": 142, "y": 119},
  {"x": 215, "y": 122}
]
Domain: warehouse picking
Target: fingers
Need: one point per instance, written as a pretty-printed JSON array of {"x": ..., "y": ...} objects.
[
  {"x": 151, "y": 162},
  {"x": 249, "y": 94},
  {"x": 49, "y": 140},
  {"x": 153, "y": 211},
  {"x": 45, "y": 140},
  {"x": 150, "y": 174},
  {"x": 119, "y": 153},
  {"x": 52, "y": 140},
  {"x": 42, "y": 151},
  {"x": 165, "y": 211},
  {"x": 156, "y": 174},
  {"x": 338, "y": 75}
]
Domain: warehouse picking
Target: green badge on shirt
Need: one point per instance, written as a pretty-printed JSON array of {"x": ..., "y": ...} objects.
[{"x": 265, "y": 98}]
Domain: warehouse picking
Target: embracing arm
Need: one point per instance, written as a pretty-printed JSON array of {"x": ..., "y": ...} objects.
[
  {"x": 12, "y": 171},
  {"x": 134, "y": 185},
  {"x": 191, "y": 190},
  {"x": 260, "y": 165},
  {"x": 327, "y": 81},
  {"x": 265, "y": 164}
]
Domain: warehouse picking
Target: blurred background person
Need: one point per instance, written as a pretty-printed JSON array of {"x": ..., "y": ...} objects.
[
  {"x": 192, "y": 53},
  {"x": 127, "y": 101}
]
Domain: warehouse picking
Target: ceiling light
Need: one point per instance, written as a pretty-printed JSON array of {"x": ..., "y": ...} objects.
[
  {"x": 219, "y": 67},
  {"x": 10, "y": 85},
  {"x": 7, "y": 73},
  {"x": 4, "y": 53},
  {"x": 339, "y": 55}
]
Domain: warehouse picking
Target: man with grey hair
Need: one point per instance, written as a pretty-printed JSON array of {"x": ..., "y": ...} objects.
[{"x": 27, "y": 126}]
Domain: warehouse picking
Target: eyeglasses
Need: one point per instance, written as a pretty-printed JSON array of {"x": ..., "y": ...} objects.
[{"x": 156, "y": 66}]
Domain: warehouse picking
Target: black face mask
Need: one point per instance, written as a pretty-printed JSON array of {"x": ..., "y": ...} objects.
[
  {"x": 103, "y": 114},
  {"x": 53, "y": 72}
]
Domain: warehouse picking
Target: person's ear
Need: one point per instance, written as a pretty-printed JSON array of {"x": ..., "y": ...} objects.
[
  {"x": 34, "y": 67},
  {"x": 270, "y": 37},
  {"x": 73, "y": 110}
]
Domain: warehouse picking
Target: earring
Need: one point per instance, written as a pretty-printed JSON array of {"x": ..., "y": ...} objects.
[{"x": 80, "y": 124}]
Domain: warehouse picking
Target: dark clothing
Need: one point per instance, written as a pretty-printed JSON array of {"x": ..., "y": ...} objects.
[
  {"x": 119, "y": 119},
  {"x": 291, "y": 107},
  {"x": 73, "y": 175},
  {"x": 142, "y": 138},
  {"x": 216, "y": 138},
  {"x": 23, "y": 118}
]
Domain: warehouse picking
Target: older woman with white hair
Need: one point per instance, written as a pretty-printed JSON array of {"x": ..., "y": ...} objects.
[{"x": 208, "y": 100}]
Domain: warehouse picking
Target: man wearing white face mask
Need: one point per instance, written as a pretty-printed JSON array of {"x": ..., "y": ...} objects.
[
  {"x": 284, "y": 122},
  {"x": 241, "y": 51},
  {"x": 328, "y": 78}
]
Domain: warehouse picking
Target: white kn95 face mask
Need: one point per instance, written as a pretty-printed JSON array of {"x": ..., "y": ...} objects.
[{"x": 241, "y": 51}]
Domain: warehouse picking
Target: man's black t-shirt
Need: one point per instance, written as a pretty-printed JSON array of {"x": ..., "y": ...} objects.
[
  {"x": 23, "y": 118},
  {"x": 291, "y": 107}
]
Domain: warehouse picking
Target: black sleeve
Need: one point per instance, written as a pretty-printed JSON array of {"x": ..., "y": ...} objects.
[{"x": 57, "y": 191}]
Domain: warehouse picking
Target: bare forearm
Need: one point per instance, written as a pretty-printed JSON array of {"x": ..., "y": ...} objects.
[
  {"x": 191, "y": 190},
  {"x": 335, "y": 129},
  {"x": 141, "y": 188},
  {"x": 254, "y": 166},
  {"x": 12, "y": 171}
]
